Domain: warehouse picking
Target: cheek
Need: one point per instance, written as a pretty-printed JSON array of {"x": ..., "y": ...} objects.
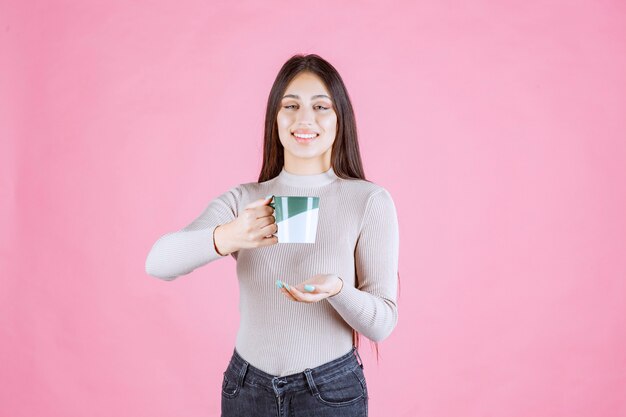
[
  {"x": 329, "y": 123},
  {"x": 283, "y": 120}
]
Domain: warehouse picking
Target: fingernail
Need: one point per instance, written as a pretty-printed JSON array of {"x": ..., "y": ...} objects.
[
  {"x": 286, "y": 285},
  {"x": 279, "y": 284},
  {"x": 268, "y": 196},
  {"x": 309, "y": 288}
]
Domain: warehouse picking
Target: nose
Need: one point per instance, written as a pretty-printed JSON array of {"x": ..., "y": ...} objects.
[{"x": 305, "y": 116}]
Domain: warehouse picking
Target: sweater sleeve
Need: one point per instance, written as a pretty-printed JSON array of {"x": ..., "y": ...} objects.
[
  {"x": 371, "y": 308},
  {"x": 180, "y": 252}
]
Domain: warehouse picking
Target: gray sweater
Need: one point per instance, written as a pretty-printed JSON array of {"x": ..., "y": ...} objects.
[{"x": 357, "y": 239}]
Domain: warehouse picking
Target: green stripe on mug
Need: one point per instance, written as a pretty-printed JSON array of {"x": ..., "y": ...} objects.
[{"x": 296, "y": 217}]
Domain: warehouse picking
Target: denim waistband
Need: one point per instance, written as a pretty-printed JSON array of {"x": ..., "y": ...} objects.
[{"x": 240, "y": 370}]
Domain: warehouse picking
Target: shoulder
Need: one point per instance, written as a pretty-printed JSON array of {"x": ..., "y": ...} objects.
[
  {"x": 377, "y": 207},
  {"x": 365, "y": 192},
  {"x": 247, "y": 189},
  {"x": 246, "y": 192},
  {"x": 243, "y": 189},
  {"x": 367, "y": 199}
]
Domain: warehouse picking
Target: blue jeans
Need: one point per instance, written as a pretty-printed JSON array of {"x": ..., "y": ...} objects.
[{"x": 336, "y": 388}]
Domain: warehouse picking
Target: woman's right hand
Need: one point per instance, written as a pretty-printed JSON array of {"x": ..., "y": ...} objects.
[{"x": 253, "y": 228}]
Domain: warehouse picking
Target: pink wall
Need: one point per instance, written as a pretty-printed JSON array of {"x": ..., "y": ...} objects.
[{"x": 498, "y": 128}]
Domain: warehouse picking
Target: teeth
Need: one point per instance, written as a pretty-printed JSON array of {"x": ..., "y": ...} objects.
[{"x": 298, "y": 135}]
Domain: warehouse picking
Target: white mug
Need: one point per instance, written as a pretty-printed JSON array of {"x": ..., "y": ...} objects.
[{"x": 296, "y": 217}]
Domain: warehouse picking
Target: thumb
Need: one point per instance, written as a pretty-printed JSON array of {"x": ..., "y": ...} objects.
[{"x": 261, "y": 201}]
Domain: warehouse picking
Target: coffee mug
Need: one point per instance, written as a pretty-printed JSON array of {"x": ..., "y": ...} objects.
[{"x": 296, "y": 217}]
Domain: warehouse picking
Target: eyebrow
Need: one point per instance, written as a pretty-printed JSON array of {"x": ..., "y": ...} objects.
[{"x": 313, "y": 97}]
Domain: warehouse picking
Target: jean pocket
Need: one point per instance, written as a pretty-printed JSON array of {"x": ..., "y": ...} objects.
[
  {"x": 358, "y": 371},
  {"x": 344, "y": 390},
  {"x": 230, "y": 386}
]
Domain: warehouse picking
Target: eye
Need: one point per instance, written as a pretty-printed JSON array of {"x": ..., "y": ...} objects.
[{"x": 289, "y": 106}]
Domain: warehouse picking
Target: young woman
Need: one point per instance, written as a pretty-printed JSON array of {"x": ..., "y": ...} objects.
[{"x": 302, "y": 306}]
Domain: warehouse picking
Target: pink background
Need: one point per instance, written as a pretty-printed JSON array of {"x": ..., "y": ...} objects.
[{"x": 498, "y": 128}]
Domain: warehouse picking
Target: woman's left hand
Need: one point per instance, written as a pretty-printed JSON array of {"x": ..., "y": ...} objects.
[{"x": 323, "y": 286}]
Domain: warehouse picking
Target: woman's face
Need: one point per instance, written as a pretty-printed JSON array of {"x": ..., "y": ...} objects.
[{"x": 306, "y": 107}]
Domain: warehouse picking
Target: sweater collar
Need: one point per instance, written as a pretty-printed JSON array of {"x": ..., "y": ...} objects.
[{"x": 310, "y": 180}]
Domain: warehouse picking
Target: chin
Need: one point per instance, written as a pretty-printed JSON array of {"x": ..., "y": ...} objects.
[{"x": 305, "y": 155}]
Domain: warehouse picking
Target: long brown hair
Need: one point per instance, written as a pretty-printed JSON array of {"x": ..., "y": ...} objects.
[{"x": 345, "y": 155}]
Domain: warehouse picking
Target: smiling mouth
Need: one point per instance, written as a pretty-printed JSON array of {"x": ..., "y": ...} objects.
[{"x": 305, "y": 138}]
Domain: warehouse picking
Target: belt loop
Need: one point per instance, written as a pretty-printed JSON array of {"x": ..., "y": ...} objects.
[
  {"x": 309, "y": 379},
  {"x": 359, "y": 356},
  {"x": 242, "y": 373}
]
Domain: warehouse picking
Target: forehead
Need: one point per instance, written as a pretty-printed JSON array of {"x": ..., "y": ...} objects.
[{"x": 306, "y": 85}]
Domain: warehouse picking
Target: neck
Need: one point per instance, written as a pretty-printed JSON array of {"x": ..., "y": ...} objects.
[{"x": 307, "y": 180}]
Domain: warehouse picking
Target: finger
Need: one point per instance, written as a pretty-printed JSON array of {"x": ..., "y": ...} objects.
[
  {"x": 320, "y": 287},
  {"x": 260, "y": 202},
  {"x": 263, "y": 217},
  {"x": 268, "y": 240},
  {"x": 307, "y": 297},
  {"x": 283, "y": 287},
  {"x": 266, "y": 237},
  {"x": 270, "y": 229},
  {"x": 288, "y": 288},
  {"x": 264, "y": 225},
  {"x": 265, "y": 212},
  {"x": 288, "y": 294},
  {"x": 307, "y": 288}
]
